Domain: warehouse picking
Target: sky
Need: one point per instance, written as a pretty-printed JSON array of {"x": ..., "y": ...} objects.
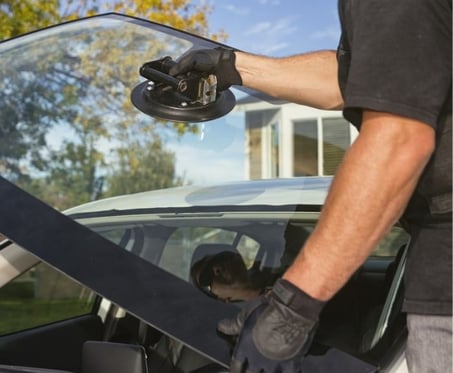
[{"x": 276, "y": 27}]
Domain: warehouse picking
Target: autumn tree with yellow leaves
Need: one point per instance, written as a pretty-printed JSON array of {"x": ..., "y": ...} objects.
[{"x": 19, "y": 17}]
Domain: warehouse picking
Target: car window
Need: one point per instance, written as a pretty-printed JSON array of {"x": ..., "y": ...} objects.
[
  {"x": 391, "y": 243},
  {"x": 262, "y": 242},
  {"x": 265, "y": 243},
  {"x": 41, "y": 296}
]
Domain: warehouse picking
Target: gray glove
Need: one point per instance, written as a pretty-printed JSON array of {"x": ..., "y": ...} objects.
[
  {"x": 274, "y": 332},
  {"x": 218, "y": 61}
]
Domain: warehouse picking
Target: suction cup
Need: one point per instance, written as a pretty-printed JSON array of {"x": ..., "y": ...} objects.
[{"x": 165, "y": 103}]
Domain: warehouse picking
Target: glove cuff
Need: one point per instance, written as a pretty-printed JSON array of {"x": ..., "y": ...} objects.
[
  {"x": 297, "y": 300},
  {"x": 227, "y": 61}
]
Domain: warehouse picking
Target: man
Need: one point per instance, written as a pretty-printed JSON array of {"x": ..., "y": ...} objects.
[{"x": 391, "y": 76}]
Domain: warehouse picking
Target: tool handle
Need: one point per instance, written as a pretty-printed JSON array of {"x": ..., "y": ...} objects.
[{"x": 157, "y": 71}]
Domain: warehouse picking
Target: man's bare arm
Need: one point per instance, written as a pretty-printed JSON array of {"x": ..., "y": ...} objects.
[
  {"x": 308, "y": 79},
  {"x": 368, "y": 195}
]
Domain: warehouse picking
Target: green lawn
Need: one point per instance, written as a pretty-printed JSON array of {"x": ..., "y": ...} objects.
[{"x": 27, "y": 313}]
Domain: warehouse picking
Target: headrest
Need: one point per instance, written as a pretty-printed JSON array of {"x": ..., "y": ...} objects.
[{"x": 210, "y": 249}]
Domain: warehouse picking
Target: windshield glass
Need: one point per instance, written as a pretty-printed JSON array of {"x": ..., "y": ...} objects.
[
  {"x": 70, "y": 133},
  {"x": 68, "y": 124}
]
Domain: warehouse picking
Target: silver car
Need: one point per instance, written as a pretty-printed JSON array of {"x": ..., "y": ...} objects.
[{"x": 130, "y": 283}]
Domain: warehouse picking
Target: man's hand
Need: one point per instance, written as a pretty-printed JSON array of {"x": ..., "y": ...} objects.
[
  {"x": 217, "y": 61},
  {"x": 274, "y": 332}
]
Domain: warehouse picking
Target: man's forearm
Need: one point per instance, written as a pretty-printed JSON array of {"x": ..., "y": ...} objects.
[
  {"x": 368, "y": 195},
  {"x": 308, "y": 79}
]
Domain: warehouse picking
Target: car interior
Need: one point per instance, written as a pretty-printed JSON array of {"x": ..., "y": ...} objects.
[{"x": 362, "y": 320}]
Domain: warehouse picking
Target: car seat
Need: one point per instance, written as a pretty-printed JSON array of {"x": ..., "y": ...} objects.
[{"x": 108, "y": 357}]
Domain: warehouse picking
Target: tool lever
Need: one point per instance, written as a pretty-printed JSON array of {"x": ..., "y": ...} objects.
[{"x": 186, "y": 84}]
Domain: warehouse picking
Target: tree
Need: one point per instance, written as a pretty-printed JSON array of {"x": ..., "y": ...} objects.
[
  {"x": 19, "y": 17},
  {"x": 28, "y": 112},
  {"x": 68, "y": 87},
  {"x": 141, "y": 166}
]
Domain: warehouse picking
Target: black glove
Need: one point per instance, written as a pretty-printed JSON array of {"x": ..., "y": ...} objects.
[
  {"x": 218, "y": 61},
  {"x": 275, "y": 331}
]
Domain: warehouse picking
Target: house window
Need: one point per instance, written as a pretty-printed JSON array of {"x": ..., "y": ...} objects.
[
  {"x": 319, "y": 145},
  {"x": 274, "y": 150},
  {"x": 305, "y": 139},
  {"x": 262, "y": 143},
  {"x": 336, "y": 139},
  {"x": 254, "y": 141}
]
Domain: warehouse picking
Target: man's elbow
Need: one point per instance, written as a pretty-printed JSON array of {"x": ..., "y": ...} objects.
[
  {"x": 333, "y": 101},
  {"x": 409, "y": 138},
  {"x": 423, "y": 142}
]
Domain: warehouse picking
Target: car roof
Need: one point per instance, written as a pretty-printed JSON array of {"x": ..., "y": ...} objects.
[{"x": 273, "y": 192}]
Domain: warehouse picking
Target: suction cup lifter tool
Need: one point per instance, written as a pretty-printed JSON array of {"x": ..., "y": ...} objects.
[
  {"x": 190, "y": 97},
  {"x": 195, "y": 87}
]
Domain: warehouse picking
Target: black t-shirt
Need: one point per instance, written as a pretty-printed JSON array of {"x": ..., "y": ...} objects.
[{"x": 396, "y": 57}]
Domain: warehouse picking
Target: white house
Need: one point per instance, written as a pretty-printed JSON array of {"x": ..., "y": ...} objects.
[{"x": 285, "y": 139}]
